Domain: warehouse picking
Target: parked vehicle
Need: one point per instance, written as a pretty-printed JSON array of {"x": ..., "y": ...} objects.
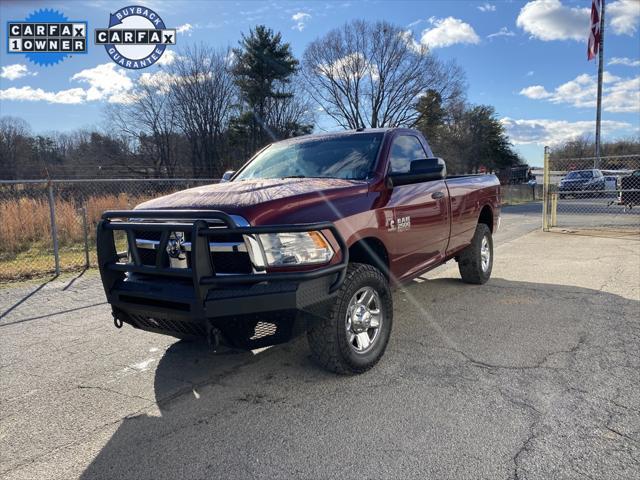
[
  {"x": 582, "y": 183},
  {"x": 630, "y": 189},
  {"x": 310, "y": 235},
  {"x": 516, "y": 175}
]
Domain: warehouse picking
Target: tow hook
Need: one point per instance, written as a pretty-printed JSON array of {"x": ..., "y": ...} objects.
[
  {"x": 116, "y": 321},
  {"x": 214, "y": 338}
]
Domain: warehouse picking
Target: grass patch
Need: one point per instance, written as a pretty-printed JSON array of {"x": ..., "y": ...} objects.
[
  {"x": 38, "y": 261},
  {"x": 26, "y": 246}
]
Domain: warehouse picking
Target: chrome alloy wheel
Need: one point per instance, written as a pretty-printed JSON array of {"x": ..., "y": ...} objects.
[
  {"x": 485, "y": 254},
  {"x": 363, "y": 320}
]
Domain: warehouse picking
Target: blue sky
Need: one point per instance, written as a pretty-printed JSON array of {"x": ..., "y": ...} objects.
[{"x": 527, "y": 59}]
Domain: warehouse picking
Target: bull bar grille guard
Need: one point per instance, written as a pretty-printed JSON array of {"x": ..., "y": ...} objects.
[{"x": 201, "y": 270}]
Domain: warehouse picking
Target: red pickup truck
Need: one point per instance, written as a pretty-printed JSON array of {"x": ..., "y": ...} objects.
[{"x": 309, "y": 235}]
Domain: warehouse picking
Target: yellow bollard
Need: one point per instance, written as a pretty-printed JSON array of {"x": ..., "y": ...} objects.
[{"x": 554, "y": 210}]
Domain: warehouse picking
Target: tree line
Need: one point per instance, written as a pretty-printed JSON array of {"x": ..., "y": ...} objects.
[
  {"x": 585, "y": 146},
  {"x": 211, "y": 109}
]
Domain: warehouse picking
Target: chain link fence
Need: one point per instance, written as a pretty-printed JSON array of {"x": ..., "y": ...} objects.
[
  {"x": 516, "y": 194},
  {"x": 592, "y": 194},
  {"x": 48, "y": 227}
]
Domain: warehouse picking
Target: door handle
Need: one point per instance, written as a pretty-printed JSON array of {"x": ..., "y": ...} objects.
[{"x": 437, "y": 195}]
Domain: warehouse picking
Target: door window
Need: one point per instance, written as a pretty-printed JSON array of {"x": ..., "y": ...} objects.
[{"x": 404, "y": 150}]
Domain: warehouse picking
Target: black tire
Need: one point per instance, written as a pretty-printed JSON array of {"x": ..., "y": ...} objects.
[
  {"x": 327, "y": 337},
  {"x": 470, "y": 261}
]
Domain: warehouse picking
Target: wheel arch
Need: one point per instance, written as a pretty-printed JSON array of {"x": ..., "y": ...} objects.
[
  {"x": 371, "y": 251},
  {"x": 486, "y": 216}
]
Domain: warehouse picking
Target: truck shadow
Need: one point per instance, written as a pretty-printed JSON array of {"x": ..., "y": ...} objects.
[{"x": 274, "y": 414}]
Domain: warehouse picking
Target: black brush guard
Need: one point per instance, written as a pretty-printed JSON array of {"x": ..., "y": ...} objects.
[{"x": 251, "y": 310}]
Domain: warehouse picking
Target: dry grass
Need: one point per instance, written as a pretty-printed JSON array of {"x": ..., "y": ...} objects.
[
  {"x": 26, "y": 248},
  {"x": 26, "y": 221}
]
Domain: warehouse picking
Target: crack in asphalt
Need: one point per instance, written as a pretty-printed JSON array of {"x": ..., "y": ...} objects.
[
  {"x": 527, "y": 444},
  {"x": 115, "y": 392},
  {"x": 604, "y": 399},
  {"x": 624, "y": 435},
  {"x": 538, "y": 365},
  {"x": 524, "y": 448}
]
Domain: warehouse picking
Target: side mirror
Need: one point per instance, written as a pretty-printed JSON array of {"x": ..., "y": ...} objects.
[
  {"x": 226, "y": 176},
  {"x": 424, "y": 170}
]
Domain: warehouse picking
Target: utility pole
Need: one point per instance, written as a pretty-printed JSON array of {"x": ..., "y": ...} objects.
[{"x": 596, "y": 162}]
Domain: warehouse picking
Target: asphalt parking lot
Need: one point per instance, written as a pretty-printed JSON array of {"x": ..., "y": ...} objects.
[{"x": 535, "y": 375}]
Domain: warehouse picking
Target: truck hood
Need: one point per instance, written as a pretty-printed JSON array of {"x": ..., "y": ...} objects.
[{"x": 265, "y": 200}]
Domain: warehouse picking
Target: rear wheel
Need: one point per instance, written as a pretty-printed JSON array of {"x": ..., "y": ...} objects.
[
  {"x": 476, "y": 261},
  {"x": 355, "y": 334}
]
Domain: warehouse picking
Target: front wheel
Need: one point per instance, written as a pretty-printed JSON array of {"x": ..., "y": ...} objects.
[
  {"x": 476, "y": 261},
  {"x": 354, "y": 336}
]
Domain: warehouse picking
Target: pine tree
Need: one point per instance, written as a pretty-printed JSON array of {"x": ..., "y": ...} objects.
[{"x": 262, "y": 63}]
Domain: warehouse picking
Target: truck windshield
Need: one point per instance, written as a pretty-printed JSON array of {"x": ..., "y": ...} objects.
[{"x": 346, "y": 156}]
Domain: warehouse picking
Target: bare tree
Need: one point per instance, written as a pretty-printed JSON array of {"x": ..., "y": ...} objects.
[
  {"x": 148, "y": 117},
  {"x": 14, "y": 145},
  {"x": 203, "y": 95},
  {"x": 290, "y": 113},
  {"x": 372, "y": 75}
]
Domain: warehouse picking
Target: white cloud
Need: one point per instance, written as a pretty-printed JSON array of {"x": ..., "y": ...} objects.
[
  {"x": 230, "y": 58},
  {"x": 503, "y": 32},
  {"x": 155, "y": 79},
  {"x": 530, "y": 73},
  {"x": 448, "y": 31},
  {"x": 30, "y": 94},
  {"x": 553, "y": 132},
  {"x": 620, "y": 95},
  {"x": 186, "y": 28},
  {"x": 623, "y": 96},
  {"x": 352, "y": 66},
  {"x": 15, "y": 71},
  {"x": 628, "y": 62},
  {"x": 158, "y": 81},
  {"x": 301, "y": 19},
  {"x": 551, "y": 20},
  {"x": 487, "y": 7},
  {"x": 106, "y": 82},
  {"x": 168, "y": 57},
  {"x": 536, "y": 92},
  {"x": 407, "y": 36},
  {"x": 624, "y": 16}
]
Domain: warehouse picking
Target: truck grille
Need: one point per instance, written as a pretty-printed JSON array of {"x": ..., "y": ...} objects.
[{"x": 228, "y": 253}]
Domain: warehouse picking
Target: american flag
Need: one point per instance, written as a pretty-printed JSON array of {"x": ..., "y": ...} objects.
[{"x": 594, "y": 32}]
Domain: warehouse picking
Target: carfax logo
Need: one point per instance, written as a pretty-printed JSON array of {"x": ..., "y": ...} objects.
[
  {"x": 46, "y": 37},
  {"x": 136, "y": 37}
]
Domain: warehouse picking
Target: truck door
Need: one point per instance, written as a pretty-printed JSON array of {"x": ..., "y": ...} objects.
[{"x": 420, "y": 223}]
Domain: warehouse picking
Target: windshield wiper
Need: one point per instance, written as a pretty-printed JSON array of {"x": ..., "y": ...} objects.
[{"x": 295, "y": 176}]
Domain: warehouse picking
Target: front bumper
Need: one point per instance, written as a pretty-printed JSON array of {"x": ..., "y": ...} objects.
[{"x": 251, "y": 310}]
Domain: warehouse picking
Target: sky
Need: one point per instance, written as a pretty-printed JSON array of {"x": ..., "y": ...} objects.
[{"x": 526, "y": 59}]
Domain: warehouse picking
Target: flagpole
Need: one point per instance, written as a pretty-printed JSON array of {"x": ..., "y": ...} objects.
[{"x": 596, "y": 162}]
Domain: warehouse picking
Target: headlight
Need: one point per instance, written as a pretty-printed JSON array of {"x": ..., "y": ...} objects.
[{"x": 284, "y": 249}]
